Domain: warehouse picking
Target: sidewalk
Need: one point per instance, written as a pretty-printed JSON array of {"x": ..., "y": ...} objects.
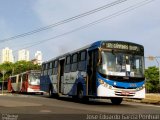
[{"x": 4, "y": 92}]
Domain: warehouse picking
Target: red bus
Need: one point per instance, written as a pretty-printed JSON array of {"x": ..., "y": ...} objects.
[{"x": 26, "y": 82}]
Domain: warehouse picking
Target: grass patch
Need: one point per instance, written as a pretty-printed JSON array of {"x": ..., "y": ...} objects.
[
  {"x": 149, "y": 99},
  {"x": 152, "y": 99},
  {"x": 153, "y": 96}
]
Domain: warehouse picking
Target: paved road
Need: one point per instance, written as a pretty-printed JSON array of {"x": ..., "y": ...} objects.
[{"x": 42, "y": 107}]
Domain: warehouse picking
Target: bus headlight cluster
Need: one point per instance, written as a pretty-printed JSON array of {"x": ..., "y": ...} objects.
[
  {"x": 140, "y": 88},
  {"x": 104, "y": 83}
]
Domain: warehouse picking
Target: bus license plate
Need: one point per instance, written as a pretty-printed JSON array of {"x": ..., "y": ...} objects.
[{"x": 124, "y": 93}]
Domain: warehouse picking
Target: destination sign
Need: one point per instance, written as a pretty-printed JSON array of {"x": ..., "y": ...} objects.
[{"x": 121, "y": 46}]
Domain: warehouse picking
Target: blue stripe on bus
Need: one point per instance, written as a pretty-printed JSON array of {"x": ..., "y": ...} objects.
[
  {"x": 73, "y": 90},
  {"x": 120, "y": 84},
  {"x": 45, "y": 82},
  {"x": 80, "y": 80}
]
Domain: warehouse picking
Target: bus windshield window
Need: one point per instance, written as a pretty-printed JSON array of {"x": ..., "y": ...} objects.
[
  {"x": 34, "y": 79},
  {"x": 137, "y": 67},
  {"x": 119, "y": 63}
]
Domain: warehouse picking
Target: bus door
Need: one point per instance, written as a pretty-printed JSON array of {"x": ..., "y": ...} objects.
[
  {"x": 24, "y": 82},
  {"x": 92, "y": 69},
  {"x": 61, "y": 75},
  {"x": 19, "y": 83}
]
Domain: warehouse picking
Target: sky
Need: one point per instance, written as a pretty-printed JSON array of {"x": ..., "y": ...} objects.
[{"x": 141, "y": 25}]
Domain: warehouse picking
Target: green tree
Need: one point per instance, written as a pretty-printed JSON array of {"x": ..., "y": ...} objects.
[
  {"x": 22, "y": 66},
  {"x": 7, "y": 66},
  {"x": 152, "y": 79},
  {"x": 16, "y": 68}
]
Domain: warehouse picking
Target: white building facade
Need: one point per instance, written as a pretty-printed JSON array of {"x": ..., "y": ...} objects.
[
  {"x": 38, "y": 57},
  {"x": 7, "y": 55},
  {"x": 23, "y": 55}
]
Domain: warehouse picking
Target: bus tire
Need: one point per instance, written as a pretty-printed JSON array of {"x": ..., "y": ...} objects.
[
  {"x": 116, "y": 101},
  {"x": 50, "y": 93},
  {"x": 12, "y": 91},
  {"x": 80, "y": 95}
]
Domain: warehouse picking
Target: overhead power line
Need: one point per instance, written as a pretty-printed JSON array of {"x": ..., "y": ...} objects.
[
  {"x": 64, "y": 21},
  {"x": 128, "y": 9}
]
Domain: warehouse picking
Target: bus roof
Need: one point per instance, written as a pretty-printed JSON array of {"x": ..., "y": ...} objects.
[
  {"x": 90, "y": 47},
  {"x": 31, "y": 71}
]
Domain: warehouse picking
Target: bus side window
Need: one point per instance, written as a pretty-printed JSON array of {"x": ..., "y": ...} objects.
[
  {"x": 50, "y": 68},
  {"x": 43, "y": 68},
  {"x": 46, "y": 69},
  {"x": 55, "y": 67},
  {"x": 67, "y": 64},
  {"x": 14, "y": 80},
  {"x": 24, "y": 77},
  {"x": 19, "y": 78},
  {"x": 89, "y": 63},
  {"x": 74, "y": 62},
  {"x": 82, "y": 61}
]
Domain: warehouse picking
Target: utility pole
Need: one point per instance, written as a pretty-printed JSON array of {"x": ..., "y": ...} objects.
[
  {"x": 158, "y": 69},
  {"x": 3, "y": 73}
]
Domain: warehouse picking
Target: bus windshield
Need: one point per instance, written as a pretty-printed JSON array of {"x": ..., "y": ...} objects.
[
  {"x": 34, "y": 79},
  {"x": 121, "y": 64}
]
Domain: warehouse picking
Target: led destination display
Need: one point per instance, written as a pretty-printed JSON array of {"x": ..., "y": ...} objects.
[{"x": 122, "y": 46}]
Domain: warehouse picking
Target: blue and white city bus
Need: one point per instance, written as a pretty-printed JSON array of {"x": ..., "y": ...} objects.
[{"x": 104, "y": 69}]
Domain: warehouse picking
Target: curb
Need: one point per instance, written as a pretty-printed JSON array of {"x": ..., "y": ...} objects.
[
  {"x": 146, "y": 101},
  {"x": 2, "y": 94}
]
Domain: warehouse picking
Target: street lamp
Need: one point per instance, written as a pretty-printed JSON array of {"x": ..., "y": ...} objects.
[
  {"x": 3, "y": 73},
  {"x": 158, "y": 69}
]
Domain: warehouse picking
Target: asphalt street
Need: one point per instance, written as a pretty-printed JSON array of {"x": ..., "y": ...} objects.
[{"x": 23, "y": 107}]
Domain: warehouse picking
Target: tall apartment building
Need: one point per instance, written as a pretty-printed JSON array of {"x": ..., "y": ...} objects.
[
  {"x": 23, "y": 55},
  {"x": 7, "y": 55},
  {"x": 38, "y": 57}
]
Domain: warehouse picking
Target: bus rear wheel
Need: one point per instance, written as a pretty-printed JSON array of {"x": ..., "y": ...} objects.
[
  {"x": 116, "y": 101},
  {"x": 80, "y": 94},
  {"x": 81, "y": 97},
  {"x": 50, "y": 93}
]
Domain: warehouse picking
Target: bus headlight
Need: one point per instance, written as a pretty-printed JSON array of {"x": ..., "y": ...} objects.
[
  {"x": 101, "y": 82},
  {"x": 140, "y": 88},
  {"x": 105, "y": 84},
  {"x": 110, "y": 87},
  {"x": 137, "y": 89}
]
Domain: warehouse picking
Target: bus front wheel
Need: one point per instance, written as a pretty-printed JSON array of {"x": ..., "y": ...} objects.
[{"x": 116, "y": 101}]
